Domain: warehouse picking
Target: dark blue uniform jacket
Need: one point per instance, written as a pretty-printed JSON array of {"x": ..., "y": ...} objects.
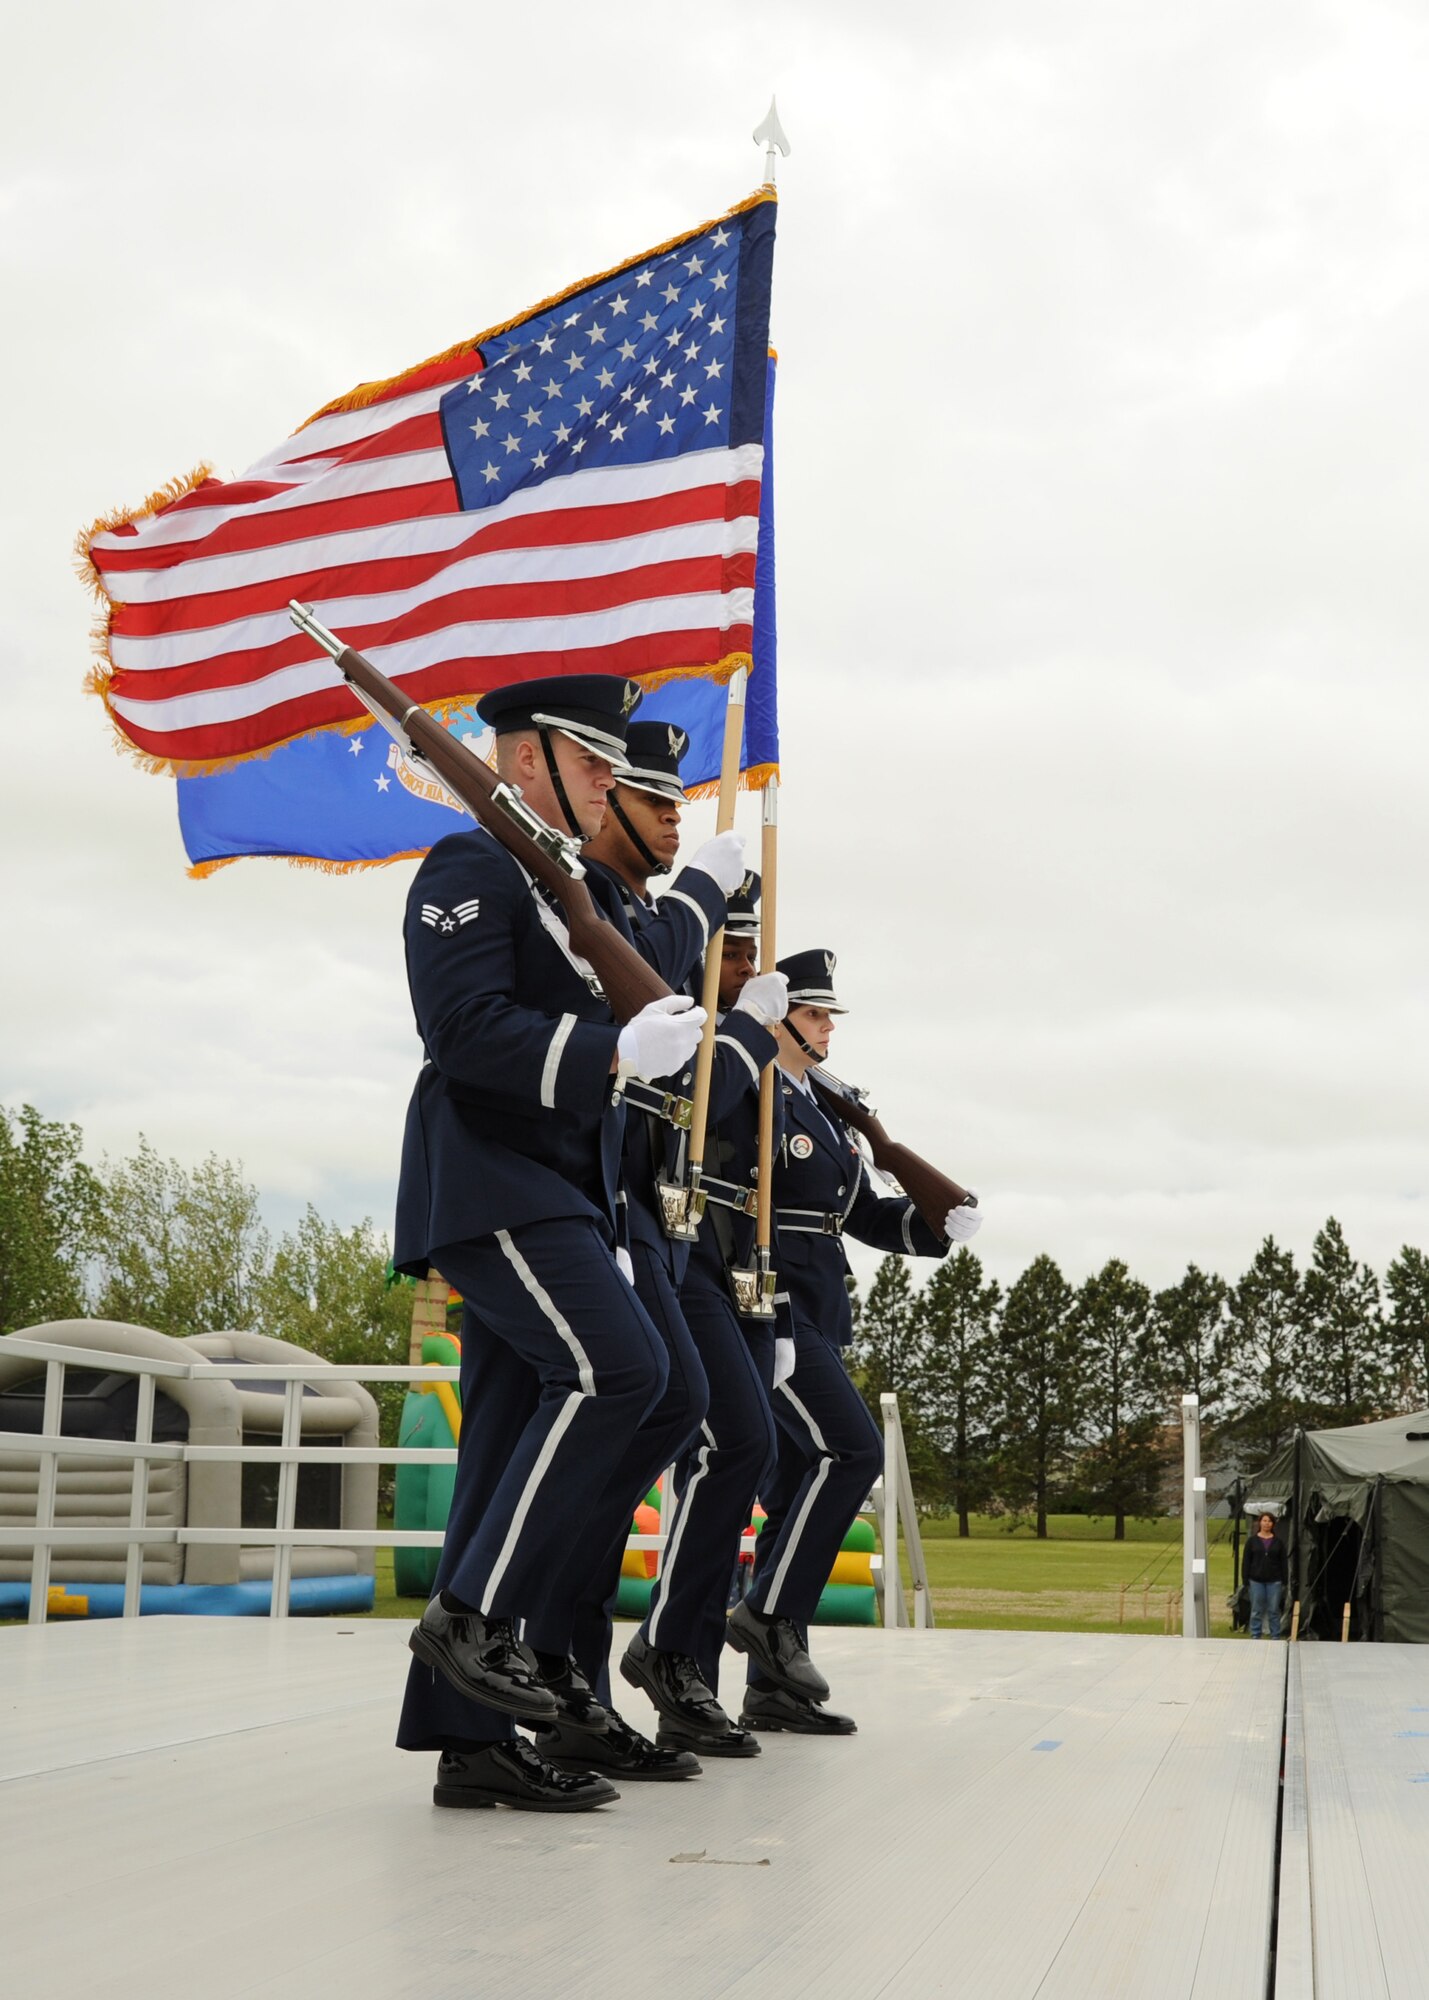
[{"x": 819, "y": 1170}]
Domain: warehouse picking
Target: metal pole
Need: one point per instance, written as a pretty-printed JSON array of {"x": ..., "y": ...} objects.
[
  {"x": 51, "y": 1423},
  {"x": 287, "y": 1498},
  {"x": 895, "y": 1612},
  {"x": 139, "y": 1499},
  {"x": 1191, "y": 1468}
]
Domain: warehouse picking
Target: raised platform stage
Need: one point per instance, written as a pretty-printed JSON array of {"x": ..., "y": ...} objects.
[{"x": 215, "y": 1809}]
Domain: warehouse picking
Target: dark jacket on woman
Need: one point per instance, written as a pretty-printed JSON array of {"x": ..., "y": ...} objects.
[{"x": 1265, "y": 1562}]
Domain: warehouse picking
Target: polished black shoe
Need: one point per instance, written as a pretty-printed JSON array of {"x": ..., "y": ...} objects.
[
  {"x": 776, "y": 1708},
  {"x": 673, "y": 1683},
  {"x": 730, "y": 1742},
  {"x": 576, "y": 1704},
  {"x": 777, "y": 1650},
  {"x": 511, "y": 1774},
  {"x": 482, "y": 1660},
  {"x": 622, "y": 1752}
]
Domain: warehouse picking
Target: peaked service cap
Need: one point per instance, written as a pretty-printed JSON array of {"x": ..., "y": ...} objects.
[
  {"x": 652, "y": 759},
  {"x": 811, "y": 980},
  {"x": 593, "y": 709}
]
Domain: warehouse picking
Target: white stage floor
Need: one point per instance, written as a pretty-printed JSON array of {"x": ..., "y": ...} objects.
[{"x": 213, "y": 1807}]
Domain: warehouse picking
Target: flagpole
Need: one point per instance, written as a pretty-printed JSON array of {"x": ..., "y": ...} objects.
[
  {"x": 709, "y": 998},
  {"x": 768, "y": 1081}
]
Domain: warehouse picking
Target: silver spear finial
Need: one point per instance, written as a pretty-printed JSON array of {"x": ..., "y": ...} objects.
[{"x": 770, "y": 135}]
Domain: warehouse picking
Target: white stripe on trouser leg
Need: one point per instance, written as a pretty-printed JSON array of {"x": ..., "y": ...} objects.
[
  {"x": 558, "y": 1429},
  {"x": 686, "y": 1501},
  {"x": 548, "y": 1307},
  {"x": 772, "y": 1595},
  {"x": 528, "y": 1493}
]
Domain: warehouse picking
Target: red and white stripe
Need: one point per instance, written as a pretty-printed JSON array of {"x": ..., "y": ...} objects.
[{"x": 637, "y": 570}]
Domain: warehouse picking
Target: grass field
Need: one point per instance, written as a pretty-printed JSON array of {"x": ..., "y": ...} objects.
[{"x": 1010, "y": 1581}]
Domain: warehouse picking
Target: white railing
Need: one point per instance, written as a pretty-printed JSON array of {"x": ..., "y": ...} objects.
[{"x": 50, "y": 1445}]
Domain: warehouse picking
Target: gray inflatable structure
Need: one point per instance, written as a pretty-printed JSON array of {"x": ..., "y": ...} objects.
[{"x": 227, "y": 1495}]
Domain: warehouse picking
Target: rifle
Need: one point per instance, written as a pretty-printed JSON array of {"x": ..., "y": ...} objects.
[
  {"x": 933, "y": 1194},
  {"x": 553, "y": 858}
]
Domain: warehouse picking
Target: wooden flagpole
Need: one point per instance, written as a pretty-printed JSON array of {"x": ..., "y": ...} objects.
[{"x": 709, "y": 998}]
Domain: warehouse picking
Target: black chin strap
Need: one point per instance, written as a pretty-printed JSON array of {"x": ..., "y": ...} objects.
[
  {"x": 558, "y": 785},
  {"x": 652, "y": 861},
  {"x": 811, "y": 1052}
]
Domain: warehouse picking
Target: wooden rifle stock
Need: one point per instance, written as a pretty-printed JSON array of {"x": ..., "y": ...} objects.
[
  {"x": 933, "y": 1194},
  {"x": 629, "y": 982}
]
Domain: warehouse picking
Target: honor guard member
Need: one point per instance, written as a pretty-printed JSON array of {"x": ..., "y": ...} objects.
[
  {"x": 638, "y": 840},
  {"x": 508, "y": 1182},
  {"x": 830, "y": 1449},
  {"x": 675, "y": 1655}
]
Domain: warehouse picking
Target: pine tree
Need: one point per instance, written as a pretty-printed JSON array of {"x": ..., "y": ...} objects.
[
  {"x": 1264, "y": 1332},
  {"x": 1407, "y": 1283},
  {"x": 887, "y": 1356},
  {"x": 956, "y": 1315},
  {"x": 1120, "y": 1404},
  {"x": 1039, "y": 1387},
  {"x": 1188, "y": 1344},
  {"x": 1342, "y": 1364}
]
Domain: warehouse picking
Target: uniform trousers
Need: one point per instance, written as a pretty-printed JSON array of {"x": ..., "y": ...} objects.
[
  {"x": 830, "y": 1453},
  {"x": 574, "y": 1614},
  {"x": 560, "y": 1365},
  {"x": 716, "y": 1481}
]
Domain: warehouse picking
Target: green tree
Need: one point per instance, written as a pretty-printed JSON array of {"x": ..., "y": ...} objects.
[
  {"x": 1040, "y": 1385},
  {"x": 1264, "y": 1333},
  {"x": 886, "y": 1354},
  {"x": 183, "y": 1252},
  {"x": 1119, "y": 1399},
  {"x": 49, "y": 1218},
  {"x": 1343, "y": 1365},
  {"x": 327, "y": 1289},
  {"x": 956, "y": 1317},
  {"x": 1407, "y": 1284},
  {"x": 1189, "y": 1349}
]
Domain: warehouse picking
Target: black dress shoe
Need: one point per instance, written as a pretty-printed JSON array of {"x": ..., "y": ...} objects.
[
  {"x": 777, "y": 1650},
  {"x": 730, "y": 1742},
  {"x": 673, "y": 1683},
  {"x": 481, "y": 1659},
  {"x": 622, "y": 1752},
  {"x": 576, "y": 1705},
  {"x": 776, "y": 1708},
  {"x": 511, "y": 1774}
]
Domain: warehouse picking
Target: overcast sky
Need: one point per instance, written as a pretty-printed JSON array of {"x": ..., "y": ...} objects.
[{"x": 1102, "y": 456}]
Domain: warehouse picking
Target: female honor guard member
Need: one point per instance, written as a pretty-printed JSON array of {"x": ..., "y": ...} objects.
[
  {"x": 675, "y": 1655},
  {"x": 639, "y": 839},
  {"x": 830, "y": 1449},
  {"x": 508, "y": 1183}
]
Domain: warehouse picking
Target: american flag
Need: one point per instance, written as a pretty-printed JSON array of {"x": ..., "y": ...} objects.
[{"x": 575, "y": 492}]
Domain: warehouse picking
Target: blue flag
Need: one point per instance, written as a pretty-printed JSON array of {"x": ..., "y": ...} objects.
[{"x": 348, "y": 802}]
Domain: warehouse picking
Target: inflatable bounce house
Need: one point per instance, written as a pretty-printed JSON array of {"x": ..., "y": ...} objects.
[
  {"x": 431, "y": 1421},
  {"x": 848, "y": 1598},
  {"x": 198, "y": 1578}
]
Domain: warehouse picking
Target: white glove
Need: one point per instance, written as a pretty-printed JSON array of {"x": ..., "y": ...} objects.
[
  {"x": 662, "y": 1037},
  {"x": 627, "y": 1269},
  {"x": 766, "y": 997},
  {"x": 783, "y": 1359},
  {"x": 961, "y": 1223},
  {"x": 722, "y": 859}
]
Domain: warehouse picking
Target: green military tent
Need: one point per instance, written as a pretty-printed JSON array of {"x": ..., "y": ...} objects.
[{"x": 1354, "y": 1508}]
